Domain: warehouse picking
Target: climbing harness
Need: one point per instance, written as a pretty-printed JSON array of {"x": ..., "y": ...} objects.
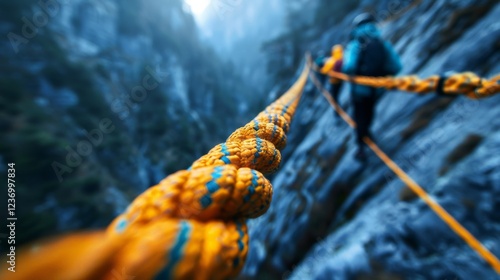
[
  {"x": 459, "y": 229},
  {"x": 192, "y": 225}
]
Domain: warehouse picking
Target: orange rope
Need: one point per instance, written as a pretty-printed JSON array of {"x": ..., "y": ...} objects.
[
  {"x": 332, "y": 102},
  {"x": 467, "y": 83},
  {"x": 460, "y": 230},
  {"x": 192, "y": 225},
  {"x": 438, "y": 209}
]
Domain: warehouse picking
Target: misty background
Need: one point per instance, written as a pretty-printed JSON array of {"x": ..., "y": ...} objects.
[{"x": 100, "y": 100}]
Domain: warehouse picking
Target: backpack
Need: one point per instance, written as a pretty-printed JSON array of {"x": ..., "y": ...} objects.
[
  {"x": 372, "y": 57},
  {"x": 320, "y": 61}
]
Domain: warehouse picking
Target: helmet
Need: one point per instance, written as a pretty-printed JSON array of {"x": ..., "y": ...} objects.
[
  {"x": 337, "y": 52},
  {"x": 363, "y": 18}
]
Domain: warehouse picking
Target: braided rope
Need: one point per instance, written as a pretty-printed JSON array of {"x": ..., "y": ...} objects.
[
  {"x": 192, "y": 225},
  {"x": 467, "y": 83}
]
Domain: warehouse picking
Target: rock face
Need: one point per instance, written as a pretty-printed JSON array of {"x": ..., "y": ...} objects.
[
  {"x": 333, "y": 217},
  {"x": 102, "y": 99}
]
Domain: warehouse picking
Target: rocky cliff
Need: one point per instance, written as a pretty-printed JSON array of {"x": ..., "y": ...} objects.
[
  {"x": 102, "y": 99},
  {"x": 333, "y": 217}
]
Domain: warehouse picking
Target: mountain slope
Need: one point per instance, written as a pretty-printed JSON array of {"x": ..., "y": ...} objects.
[
  {"x": 333, "y": 217},
  {"x": 102, "y": 99}
]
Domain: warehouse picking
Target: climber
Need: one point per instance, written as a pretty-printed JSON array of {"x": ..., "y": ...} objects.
[
  {"x": 320, "y": 61},
  {"x": 367, "y": 54},
  {"x": 334, "y": 63}
]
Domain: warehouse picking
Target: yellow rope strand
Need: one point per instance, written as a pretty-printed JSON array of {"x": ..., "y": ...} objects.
[
  {"x": 192, "y": 225},
  {"x": 467, "y": 83}
]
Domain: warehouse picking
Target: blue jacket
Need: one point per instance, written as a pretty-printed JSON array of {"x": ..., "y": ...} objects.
[
  {"x": 320, "y": 61},
  {"x": 351, "y": 56}
]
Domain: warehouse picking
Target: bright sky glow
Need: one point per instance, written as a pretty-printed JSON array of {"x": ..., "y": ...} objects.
[{"x": 198, "y": 6}]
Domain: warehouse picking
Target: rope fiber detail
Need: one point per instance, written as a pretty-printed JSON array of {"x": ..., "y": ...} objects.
[
  {"x": 467, "y": 83},
  {"x": 192, "y": 225},
  {"x": 446, "y": 217}
]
